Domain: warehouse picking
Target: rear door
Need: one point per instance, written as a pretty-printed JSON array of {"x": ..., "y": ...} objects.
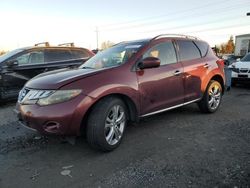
[
  {"x": 161, "y": 87},
  {"x": 195, "y": 67}
]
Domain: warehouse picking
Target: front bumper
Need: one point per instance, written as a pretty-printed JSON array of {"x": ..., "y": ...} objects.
[
  {"x": 241, "y": 80},
  {"x": 240, "y": 77},
  {"x": 60, "y": 119}
]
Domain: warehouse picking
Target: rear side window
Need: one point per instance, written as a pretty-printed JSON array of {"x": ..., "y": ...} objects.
[
  {"x": 203, "y": 47},
  {"x": 58, "y": 55},
  {"x": 78, "y": 54},
  {"x": 164, "y": 51},
  {"x": 188, "y": 50}
]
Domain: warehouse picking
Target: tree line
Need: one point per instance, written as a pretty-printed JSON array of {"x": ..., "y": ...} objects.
[
  {"x": 227, "y": 47},
  {"x": 2, "y": 52}
]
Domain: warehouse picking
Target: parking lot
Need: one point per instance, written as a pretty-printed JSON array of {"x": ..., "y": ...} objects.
[{"x": 179, "y": 148}]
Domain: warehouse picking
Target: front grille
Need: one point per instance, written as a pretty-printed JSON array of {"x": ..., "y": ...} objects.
[{"x": 244, "y": 70}]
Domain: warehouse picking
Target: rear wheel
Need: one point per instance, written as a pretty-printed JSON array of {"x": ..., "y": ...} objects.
[
  {"x": 106, "y": 124},
  {"x": 212, "y": 97}
]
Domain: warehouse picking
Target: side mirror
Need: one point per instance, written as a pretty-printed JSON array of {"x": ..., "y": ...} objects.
[
  {"x": 12, "y": 63},
  {"x": 226, "y": 62},
  {"x": 149, "y": 62}
]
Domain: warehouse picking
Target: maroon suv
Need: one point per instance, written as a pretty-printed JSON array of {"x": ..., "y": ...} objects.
[{"x": 124, "y": 83}]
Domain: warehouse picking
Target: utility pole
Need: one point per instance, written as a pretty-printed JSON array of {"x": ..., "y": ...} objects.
[{"x": 97, "y": 37}]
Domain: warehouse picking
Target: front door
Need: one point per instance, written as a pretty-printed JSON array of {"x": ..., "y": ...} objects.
[{"x": 161, "y": 87}]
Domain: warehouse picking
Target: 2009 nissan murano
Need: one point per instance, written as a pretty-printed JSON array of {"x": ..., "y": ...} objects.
[{"x": 123, "y": 83}]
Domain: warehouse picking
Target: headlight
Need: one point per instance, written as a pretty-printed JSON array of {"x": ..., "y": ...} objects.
[
  {"x": 235, "y": 69},
  {"x": 58, "y": 97},
  {"x": 30, "y": 96}
]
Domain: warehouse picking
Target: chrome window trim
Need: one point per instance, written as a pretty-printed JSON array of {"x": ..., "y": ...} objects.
[{"x": 170, "y": 108}]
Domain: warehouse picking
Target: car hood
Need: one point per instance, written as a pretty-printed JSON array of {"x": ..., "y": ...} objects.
[
  {"x": 242, "y": 64},
  {"x": 58, "y": 78}
]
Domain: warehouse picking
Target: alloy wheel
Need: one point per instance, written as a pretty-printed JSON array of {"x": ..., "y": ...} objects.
[
  {"x": 214, "y": 97},
  {"x": 115, "y": 124}
]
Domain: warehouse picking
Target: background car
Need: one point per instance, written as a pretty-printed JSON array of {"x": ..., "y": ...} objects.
[
  {"x": 20, "y": 65},
  {"x": 241, "y": 70},
  {"x": 229, "y": 59}
]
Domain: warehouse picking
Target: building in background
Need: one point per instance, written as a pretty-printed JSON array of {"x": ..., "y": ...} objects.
[{"x": 242, "y": 45}]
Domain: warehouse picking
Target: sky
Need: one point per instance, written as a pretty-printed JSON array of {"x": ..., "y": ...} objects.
[{"x": 26, "y": 22}]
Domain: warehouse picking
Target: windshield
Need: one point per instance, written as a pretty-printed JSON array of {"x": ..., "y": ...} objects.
[
  {"x": 114, "y": 56},
  {"x": 246, "y": 57},
  {"x": 9, "y": 54}
]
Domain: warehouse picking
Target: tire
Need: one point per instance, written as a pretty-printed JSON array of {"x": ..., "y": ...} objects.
[
  {"x": 106, "y": 124},
  {"x": 211, "y": 99}
]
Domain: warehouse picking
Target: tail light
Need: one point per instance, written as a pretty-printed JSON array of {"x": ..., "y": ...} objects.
[{"x": 220, "y": 63}]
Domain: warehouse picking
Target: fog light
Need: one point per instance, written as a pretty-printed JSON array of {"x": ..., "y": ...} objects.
[{"x": 52, "y": 127}]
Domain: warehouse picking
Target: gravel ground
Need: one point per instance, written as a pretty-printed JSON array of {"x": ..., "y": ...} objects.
[
  {"x": 7, "y": 114},
  {"x": 179, "y": 148}
]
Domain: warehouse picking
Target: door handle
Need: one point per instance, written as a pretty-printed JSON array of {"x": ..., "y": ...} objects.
[
  {"x": 206, "y": 65},
  {"x": 176, "y": 73}
]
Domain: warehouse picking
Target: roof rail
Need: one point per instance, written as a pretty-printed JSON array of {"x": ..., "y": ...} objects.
[
  {"x": 46, "y": 44},
  {"x": 69, "y": 44},
  {"x": 175, "y": 35}
]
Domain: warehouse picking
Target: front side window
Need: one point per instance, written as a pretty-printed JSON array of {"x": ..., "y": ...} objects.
[
  {"x": 164, "y": 51},
  {"x": 114, "y": 56},
  {"x": 23, "y": 59},
  {"x": 34, "y": 57},
  {"x": 188, "y": 50}
]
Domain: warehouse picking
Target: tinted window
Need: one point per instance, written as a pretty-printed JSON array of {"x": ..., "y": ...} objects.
[
  {"x": 36, "y": 57},
  {"x": 203, "y": 47},
  {"x": 31, "y": 58},
  {"x": 23, "y": 59},
  {"x": 58, "y": 55},
  {"x": 188, "y": 50},
  {"x": 164, "y": 51},
  {"x": 246, "y": 58},
  {"x": 77, "y": 54}
]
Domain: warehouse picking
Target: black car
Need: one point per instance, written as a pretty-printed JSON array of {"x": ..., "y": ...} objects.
[{"x": 20, "y": 65}]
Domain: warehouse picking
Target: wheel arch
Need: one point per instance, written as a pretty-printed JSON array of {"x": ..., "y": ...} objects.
[
  {"x": 219, "y": 79},
  {"x": 131, "y": 106}
]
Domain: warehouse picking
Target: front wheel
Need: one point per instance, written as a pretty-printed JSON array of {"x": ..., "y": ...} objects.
[
  {"x": 212, "y": 97},
  {"x": 106, "y": 124}
]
